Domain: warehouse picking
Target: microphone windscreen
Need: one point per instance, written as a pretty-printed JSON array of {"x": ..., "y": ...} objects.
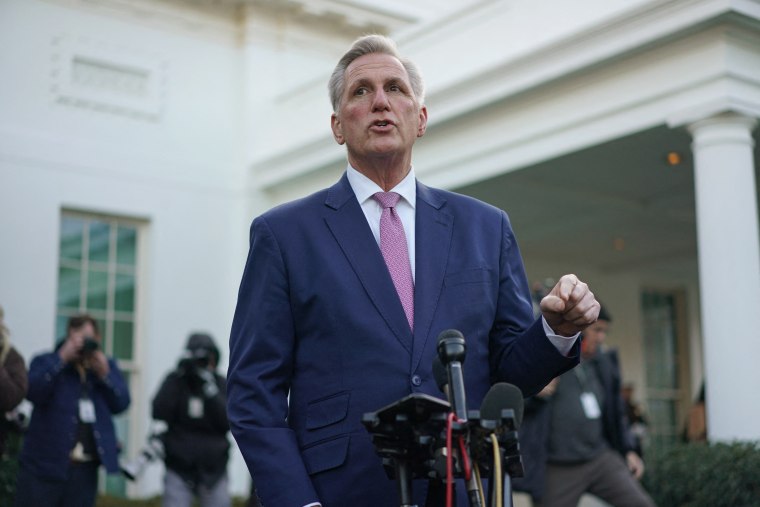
[
  {"x": 450, "y": 333},
  {"x": 451, "y": 346},
  {"x": 502, "y": 396},
  {"x": 439, "y": 373}
]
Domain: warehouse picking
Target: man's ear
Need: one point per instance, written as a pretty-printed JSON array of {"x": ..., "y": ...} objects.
[
  {"x": 337, "y": 130},
  {"x": 422, "y": 126}
]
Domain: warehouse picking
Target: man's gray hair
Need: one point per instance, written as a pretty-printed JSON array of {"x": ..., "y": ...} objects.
[{"x": 365, "y": 45}]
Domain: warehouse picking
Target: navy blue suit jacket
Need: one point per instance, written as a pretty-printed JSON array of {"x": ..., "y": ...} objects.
[{"x": 318, "y": 319}]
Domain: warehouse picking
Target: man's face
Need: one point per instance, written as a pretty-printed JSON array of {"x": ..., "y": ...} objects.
[
  {"x": 379, "y": 115},
  {"x": 593, "y": 336},
  {"x": 85, "y": 331}
]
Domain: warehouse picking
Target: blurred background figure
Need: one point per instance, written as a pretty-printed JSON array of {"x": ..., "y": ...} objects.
[
  {"x": 75, "y": 390},
  {"x": 13, "y": 382},
  {"x": 575, "y": 437},
  {"x": 13, "y": 386},
  {"x": 637, "y": 421},
  {"x": 192, "y": 401},
  {"x": 696, "y": 421}
]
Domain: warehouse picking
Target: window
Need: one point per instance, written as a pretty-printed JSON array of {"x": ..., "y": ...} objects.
[
  {"x": 97, "y": 274},
  {"x": 666, "y": 356}
]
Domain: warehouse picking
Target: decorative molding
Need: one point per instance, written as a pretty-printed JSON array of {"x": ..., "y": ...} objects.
[
  {"x": 656, "y": 24},
  {"x": 99, "y": 76},
  {"x": 344, "y": 16},
  {"x": 183, "y": 16}
]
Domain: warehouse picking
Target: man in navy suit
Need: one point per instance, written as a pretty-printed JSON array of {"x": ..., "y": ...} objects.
[{"x": 323, "y": 332}]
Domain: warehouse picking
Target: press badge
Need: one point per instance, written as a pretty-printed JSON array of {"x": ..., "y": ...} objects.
[
  {"x": 86, "y": 410},
  {"x": 195, "y": 407},
  {"x": 590, "y": 406}
]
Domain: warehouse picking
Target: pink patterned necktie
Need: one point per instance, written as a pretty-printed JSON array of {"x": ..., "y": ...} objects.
[{"x": 394, "y": 249}]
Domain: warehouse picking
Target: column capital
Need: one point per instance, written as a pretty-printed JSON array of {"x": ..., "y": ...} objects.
[
  {"x": 727, "y": 127},
  {"x": 724, "y": 108}
]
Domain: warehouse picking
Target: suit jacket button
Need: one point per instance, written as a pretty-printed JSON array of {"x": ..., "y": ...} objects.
[{"x": 416, "y": 380}]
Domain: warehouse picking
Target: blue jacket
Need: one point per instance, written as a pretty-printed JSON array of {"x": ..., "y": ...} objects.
[
  {"x": 54, "y": 389},
  {"x": 318, "y": 319}
]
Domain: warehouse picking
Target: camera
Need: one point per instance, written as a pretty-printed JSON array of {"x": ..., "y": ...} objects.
[
  {"x": 152, "y": 450},
  {"x": 193, "y": 360},
  {"x": 89, "y": 346}
]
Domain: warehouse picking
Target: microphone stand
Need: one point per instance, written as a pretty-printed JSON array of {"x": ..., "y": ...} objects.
[{"x": 404, "y": 480}]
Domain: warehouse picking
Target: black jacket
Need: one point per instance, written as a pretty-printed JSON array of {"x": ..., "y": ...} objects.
[
  {"x": 195, "y": 442},
  {"x": 534, "y": 432}
]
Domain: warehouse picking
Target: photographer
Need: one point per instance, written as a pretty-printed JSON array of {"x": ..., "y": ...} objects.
[
  {"x": 192, "y": 403},
  {"x": 13, "y": 381},
  {"x": 75, "y": 391}
]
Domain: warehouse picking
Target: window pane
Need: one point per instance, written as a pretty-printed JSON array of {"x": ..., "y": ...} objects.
[
  {"x": 69, "y": 280},
  {"x": 125, "y": 293},
  {"x": 126, "y": 245},
  {"x": 60, "y": 327},
  {"x": 99, "y": 236},
  {"x": 104, "y": 334},
  {"x": 97, "y": 287},
  {"x": 72, "y": 231},
  {"x": 122, "y": 339}
]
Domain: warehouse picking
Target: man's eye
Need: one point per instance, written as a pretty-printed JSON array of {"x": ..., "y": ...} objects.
[
  {"x": 394, "y": 88},
  {"x": 360, "y": 91}
]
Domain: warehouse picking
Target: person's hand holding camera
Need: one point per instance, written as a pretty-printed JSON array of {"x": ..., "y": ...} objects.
[
  {"x": 210, "y": 388},
  {"x": 98, "y": 362},
  {"x": 69, "y": 351},
  {"x": 198, "y": 368}
]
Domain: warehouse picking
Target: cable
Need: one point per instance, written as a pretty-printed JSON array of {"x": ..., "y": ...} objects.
[
  {"x": 476, "y": 469},
  {"x": 465, "y": 459},
  {"x": 449, "y": 460},
  {"x": 497, "y": 500}
]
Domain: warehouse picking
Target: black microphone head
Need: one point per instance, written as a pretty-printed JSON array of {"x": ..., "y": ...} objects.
[
  {"x": 502, "y": 396},
  {"x": 451, "y": 346},
  {"x": 439, "y": 374}
]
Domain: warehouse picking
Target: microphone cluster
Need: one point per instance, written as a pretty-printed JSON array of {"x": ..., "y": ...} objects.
[{"x": 423, "y": 437}]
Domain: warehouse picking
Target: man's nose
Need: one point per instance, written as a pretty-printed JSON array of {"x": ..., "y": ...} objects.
[{"x": 380, "y": 101}]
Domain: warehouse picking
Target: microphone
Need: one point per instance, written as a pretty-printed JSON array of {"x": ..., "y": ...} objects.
[
  {"x": 451, "y": 351},
  {"x": 502, "y": 396}
]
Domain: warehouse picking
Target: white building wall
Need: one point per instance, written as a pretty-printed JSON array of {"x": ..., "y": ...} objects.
[{"x": 178, "y": 167}]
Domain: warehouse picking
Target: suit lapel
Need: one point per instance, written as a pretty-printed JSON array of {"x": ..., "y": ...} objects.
[
  {"x": 350, "y": 229},
  {"x": 433, "y": 233}
]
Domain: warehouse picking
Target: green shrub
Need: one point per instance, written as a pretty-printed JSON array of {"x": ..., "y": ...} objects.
[
  {"x": 9, "y": 468},
  {"x": 705, "y": 475},
  {"x": 110, "y": 501}
]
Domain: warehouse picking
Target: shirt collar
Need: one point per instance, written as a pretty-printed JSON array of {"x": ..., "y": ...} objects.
[{"x": 364, "y": 188}]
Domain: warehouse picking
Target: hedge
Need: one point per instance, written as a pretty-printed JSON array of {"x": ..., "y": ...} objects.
[{"x": 705, "y": 475}]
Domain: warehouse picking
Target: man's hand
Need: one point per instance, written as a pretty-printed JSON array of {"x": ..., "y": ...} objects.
[
  {"x": 570, "y": 307},
  {"x": 99, "y": 364},
  {"x": 635, "y": 464},
  {"x": 210, "y": 388},
  {"x": 550, "y": 388},
  {"x": 69, "y": 351}
]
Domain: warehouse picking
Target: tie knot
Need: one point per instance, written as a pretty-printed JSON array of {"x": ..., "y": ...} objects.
[{"x": 387, "y": 199}]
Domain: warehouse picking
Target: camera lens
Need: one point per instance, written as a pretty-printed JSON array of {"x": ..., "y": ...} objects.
[{"x": 90, "y": 345}]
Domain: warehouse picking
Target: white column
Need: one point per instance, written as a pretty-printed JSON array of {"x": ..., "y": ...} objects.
[{"x": 729, "y": 273}]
